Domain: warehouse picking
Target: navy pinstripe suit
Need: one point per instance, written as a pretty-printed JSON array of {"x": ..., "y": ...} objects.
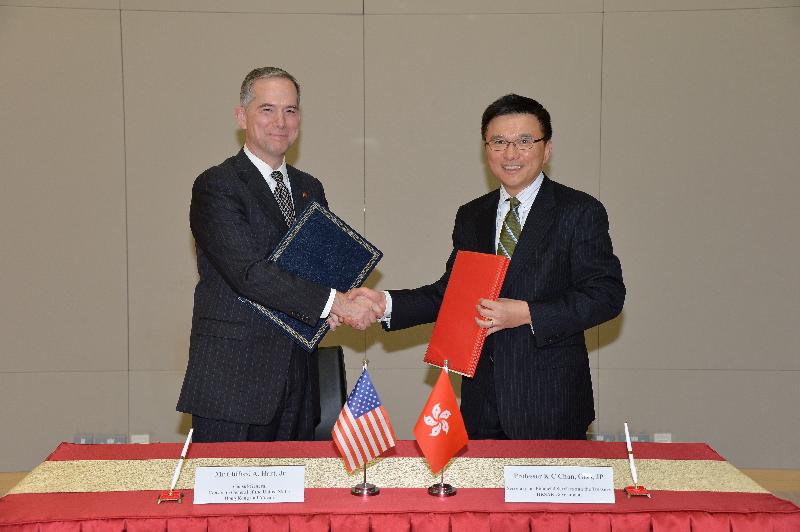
[
  {"x": 565, "y": 268},
  {"x": 238, "y": 362}
]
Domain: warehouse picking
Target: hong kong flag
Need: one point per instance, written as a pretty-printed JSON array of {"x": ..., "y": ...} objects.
[{"x": 440, "y": 430}]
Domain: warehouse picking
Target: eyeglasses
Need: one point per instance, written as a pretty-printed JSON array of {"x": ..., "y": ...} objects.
[{"x": 522, "y": 143}]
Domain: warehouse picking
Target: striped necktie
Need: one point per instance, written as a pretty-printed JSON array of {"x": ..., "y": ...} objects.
[
  {"x": 509, "y": 233},
  {"x": 282, "y": 197}
]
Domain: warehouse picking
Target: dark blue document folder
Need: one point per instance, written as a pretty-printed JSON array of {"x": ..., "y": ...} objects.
[{"x": 320, "y": 247}]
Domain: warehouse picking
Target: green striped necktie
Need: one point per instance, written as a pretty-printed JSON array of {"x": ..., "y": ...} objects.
[{"x": 509, "y": 234}]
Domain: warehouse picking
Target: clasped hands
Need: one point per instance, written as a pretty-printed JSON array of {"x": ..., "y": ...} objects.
[{"x": 359, "y": 308}]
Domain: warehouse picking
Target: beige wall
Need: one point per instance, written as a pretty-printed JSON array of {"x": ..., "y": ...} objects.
[{"x": 681, "y": 117}]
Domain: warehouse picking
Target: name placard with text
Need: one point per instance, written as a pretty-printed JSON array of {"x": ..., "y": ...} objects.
[
  {"x": 569, "y": 484},
  {"x": 231, "y": 485}
]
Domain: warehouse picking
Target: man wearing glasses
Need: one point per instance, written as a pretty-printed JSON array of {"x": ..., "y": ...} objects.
[{"x": 533, "y": 379}]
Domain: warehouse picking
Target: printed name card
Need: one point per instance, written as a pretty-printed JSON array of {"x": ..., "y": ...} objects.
[
  {"x": 569, "y": 484},
  {"x": 249, "y": 484}
]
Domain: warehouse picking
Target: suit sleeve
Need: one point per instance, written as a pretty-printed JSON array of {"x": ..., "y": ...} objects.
[
  {"x": 223, "y": 232},
  {"x": 596, "y": 292}
]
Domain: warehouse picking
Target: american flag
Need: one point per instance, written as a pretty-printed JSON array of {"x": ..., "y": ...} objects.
[{"x": 363, "y": 430}]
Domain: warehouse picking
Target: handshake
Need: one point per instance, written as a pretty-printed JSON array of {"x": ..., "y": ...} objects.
[{"x": 359, "y": 308}]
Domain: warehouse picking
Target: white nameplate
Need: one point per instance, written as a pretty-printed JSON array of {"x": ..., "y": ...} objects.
[
  {"x": 249, "y": 484},
  {"x": 559, "y": 484}
]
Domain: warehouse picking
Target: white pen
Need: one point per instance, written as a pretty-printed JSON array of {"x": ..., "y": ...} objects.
[
  {"x": 630, "y": 456},
  {"x": 182, "y": 458}
]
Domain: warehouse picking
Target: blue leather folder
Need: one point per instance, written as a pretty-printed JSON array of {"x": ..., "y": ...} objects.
[{"x": 319, "y": 247}]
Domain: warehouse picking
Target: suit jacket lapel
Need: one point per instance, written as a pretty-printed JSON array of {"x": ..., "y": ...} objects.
[
  {"x": 536, "y": 226},
  {"x": 486, "y": 222},
  {"x": 300, "y": 196},
  {"x": 258, "y": 187}
]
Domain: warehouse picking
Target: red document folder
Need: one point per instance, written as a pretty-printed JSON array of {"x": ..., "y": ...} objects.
[{"x": 456, "y": 337}]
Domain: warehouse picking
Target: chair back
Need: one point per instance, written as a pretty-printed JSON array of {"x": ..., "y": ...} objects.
[{"x": 328, "y": 388}]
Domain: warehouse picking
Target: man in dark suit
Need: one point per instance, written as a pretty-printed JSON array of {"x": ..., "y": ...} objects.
[
  {"x": 532, "y": 380},
  {"x": 245, "y": 381}
]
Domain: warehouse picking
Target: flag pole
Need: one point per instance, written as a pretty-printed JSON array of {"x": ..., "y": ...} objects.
[
  {"x": 365, "y": 489},
  {"x": 441, "y": 489}
]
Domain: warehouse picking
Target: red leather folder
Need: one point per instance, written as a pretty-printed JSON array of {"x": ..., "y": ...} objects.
[{"x": 456, "y": 337}]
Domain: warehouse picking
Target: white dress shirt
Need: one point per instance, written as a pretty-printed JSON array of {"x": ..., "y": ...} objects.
[{"x": 266, "y": 171}]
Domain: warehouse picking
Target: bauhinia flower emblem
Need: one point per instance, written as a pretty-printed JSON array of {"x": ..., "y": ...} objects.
[{"x": 438, "y": 420}]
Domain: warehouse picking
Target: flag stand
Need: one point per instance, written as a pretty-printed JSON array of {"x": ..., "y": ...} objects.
[
  {"x": 365, "y": 489},
  {"x": 441, "y": 489}
]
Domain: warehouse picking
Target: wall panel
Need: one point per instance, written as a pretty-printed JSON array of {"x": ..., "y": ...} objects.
[
  {"x": 698, "y": 174},
  {"x": 62, "y": 210},
  {"x": 153, "y": 395},
  {"x": 750, "y": 417},
  {"x": 72, "y": 4},
  {"x": 475, "y": 7},
  {"x": 693, "y": 5},
  {"x": 246, "y": 6},
  {"x": 42, "y": 409}
]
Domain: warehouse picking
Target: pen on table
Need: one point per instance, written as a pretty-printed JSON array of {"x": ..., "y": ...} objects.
[
  {"x": 630, "y": 456},
  {"x": 180, "y": 461}
]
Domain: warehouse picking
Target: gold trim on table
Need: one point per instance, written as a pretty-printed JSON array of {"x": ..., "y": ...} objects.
[{"x": 392, "y": 472}]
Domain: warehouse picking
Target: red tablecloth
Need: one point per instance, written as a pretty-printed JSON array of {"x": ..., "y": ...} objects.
[{"x": 334, "y": 509}]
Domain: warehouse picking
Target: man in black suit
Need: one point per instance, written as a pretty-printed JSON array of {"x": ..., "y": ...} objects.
[
  {"x": 245, "y": 381},
  {"x": 532, "y": 380}
]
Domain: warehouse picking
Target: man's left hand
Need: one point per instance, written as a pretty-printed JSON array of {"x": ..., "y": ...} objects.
[{"x": 502, "y": 314}]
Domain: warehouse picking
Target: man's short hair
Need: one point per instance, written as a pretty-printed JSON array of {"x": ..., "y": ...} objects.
[
  {"x": 246, "y": 93},
  {"x": 512, "y": 104}
]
